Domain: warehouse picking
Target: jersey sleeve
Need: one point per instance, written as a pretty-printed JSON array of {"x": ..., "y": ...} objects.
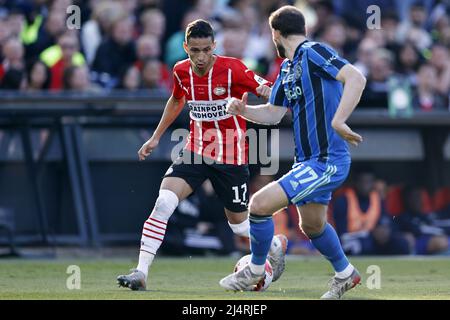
[
  {"x": 326, "y": 60},
  {"x": 246, "y": 79},
  {"x": 277, "y": 96},
  {"x": 177, "y": 91}
]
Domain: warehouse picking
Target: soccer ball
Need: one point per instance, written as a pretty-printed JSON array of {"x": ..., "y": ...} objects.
[{"x": 268, "y": 275}]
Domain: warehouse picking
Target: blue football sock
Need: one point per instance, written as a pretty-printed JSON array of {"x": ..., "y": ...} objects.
[
  {"x": 261, "y": 234},
  {"x": 328, "y": 244}
]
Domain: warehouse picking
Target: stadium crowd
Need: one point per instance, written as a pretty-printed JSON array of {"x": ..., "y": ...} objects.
[{"x": 133, "y": 45}]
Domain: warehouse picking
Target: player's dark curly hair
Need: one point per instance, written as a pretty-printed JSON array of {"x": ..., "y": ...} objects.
[
  {"x": 199, "y": 29},
  {"x": 288, "y": 20}
]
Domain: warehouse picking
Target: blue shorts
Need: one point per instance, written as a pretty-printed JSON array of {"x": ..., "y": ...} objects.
[{"x": 313, "y": 181}]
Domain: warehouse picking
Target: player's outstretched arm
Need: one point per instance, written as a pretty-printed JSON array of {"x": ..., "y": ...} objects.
[
  {"x": 171, "y": 112},
  {"x": 267, "y": 114},
  {"x": 354, "y": 83}
]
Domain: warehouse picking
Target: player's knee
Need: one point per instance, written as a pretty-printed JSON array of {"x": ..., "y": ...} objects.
[
  {"x": 259, "y": 206},
  {"x": 311, "y": 227},
  {"x": 165, "y": 205}
]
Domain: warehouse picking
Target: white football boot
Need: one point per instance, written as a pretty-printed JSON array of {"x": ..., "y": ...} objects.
[
  {"x": 241, "y": 280},
  {"x": 339, "y": 286},
  {"x": 135, "y": 280}
]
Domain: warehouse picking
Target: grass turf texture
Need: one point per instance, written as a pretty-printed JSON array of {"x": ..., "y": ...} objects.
[{"x": 197, "y": 278}]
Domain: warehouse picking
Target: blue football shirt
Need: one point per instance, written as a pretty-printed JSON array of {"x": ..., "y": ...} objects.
[{"x": 307, "y": 85}]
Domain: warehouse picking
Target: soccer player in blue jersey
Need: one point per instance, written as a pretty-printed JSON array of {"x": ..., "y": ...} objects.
[{"x": 321, "y": 89}]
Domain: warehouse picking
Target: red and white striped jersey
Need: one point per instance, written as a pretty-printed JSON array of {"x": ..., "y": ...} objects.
[{"x": 213, "y": 132}]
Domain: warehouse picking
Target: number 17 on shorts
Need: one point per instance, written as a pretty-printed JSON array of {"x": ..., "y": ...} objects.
[{"x": 313, "y": 181}]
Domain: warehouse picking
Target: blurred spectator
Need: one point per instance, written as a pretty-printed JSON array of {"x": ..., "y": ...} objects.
[
  {"x": 390, "y": 25},
  {"x": 53, "y": 27},
  {"x": 38, "y": 77},
  {"x": 234, "y": 42},
  {"x": 15, "y": 23},
  {"x": 115, "y": 54},
  {"x": 12, "y": 69},
  {"x": 207, "y": 8},
  {"x": 176, "y": 10},
  {"x": 441, "y": 25},
  {"x": 440, "y": 59},
  {"x": 13, "y": 79},
  {"x": 362, "y": 222},
  {"x": 4, "y": 30},
  {"x": 153, "y": 22},
  {"x": 61, "y": 56},
  {"x": 13, "y": 53},
  {"x": 414, "y": 29},
  {"x": 100, "y": 24},
  {"x": 152, "y": 77},
  {"x": 428, "y": 238},
  {"x": 426, "y": 97},
  {"x": 380, "y": 69},
  {"x": 334, "y": 34},
  {"x": 148, "y": 48},
  {"x": 77, "y": 78},
  {"x": 132, "y": 79},
  {"x": 325, "y": 12},
  {"x": 174, "y": 45},
  {"x": 364, "y": 55},
  {"x": 60, "y": 5},
  {"x": 409, "y": 60}
]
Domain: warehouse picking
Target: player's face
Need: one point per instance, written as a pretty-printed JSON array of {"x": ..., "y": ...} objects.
[
  {"x": 200, "y": 52},
  {"x": 276, "y": 37}
]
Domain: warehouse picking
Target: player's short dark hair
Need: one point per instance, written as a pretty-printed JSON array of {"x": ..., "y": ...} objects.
[
  {"x": 199, "y": 29},
  {"x": 288, "y": 20}
]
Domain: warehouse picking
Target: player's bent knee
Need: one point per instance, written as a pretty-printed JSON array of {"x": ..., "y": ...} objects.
[
  {"x": 311, "y": 229},
  {"x": 165, "y": 205},
  {"x": 259, "y": 206}
]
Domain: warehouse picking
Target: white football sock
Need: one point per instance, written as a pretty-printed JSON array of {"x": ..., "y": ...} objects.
[
  {"x": 256, "y": 268},
  {"x": 347, "y": 272},
  {"x": 241, "y": 229},
  {"x": 145, "y": 260},
  {"x": 155, "y": 228}
]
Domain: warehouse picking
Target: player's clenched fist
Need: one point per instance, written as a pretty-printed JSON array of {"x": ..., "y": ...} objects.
[
  {"x": 236, "y": 106},
  {"x": 264, "y": 91},
  {"x": 147, "y": 148}
]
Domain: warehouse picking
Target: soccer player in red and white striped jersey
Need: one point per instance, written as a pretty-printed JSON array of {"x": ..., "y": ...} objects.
[{"x": 216, "y": 148}]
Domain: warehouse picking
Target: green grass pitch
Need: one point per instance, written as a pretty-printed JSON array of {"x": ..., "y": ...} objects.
[{"x": 197, "y": 278}]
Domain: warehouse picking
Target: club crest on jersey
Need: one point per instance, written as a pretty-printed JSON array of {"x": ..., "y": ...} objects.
[
  {"x": 219, "y": 91},
  {"x": 298, "y": 71}
]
